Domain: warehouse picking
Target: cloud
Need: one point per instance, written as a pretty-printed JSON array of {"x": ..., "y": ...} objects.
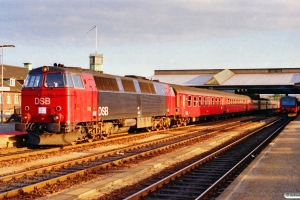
[
  {"x": 143, "y": 21},
  {"x": 47, "y": 22}
]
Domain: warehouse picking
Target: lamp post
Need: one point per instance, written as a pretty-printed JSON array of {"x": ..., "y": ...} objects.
[{"x": 2, "y": 97}]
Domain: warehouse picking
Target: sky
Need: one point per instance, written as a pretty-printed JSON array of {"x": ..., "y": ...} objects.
[{"x": 137, "y": 37}]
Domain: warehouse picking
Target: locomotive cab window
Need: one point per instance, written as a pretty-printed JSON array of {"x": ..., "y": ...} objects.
[
  {"x": 77, "y": 81},
  {"x": 69, "y": 82}
]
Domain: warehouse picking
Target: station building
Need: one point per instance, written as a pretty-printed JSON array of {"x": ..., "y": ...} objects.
[
  {"x": 240, "y": 81},
  {"x": 13, "y": 79}
]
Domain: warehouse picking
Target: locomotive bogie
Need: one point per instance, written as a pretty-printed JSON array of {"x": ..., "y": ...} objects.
[{"x": 161, "y": 123}]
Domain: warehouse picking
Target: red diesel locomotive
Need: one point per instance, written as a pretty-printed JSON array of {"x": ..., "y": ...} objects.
[{"x": 63, "y": 105}]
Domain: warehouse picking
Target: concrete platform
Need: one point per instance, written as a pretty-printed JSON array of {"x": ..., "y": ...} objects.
[
  {"x": 275, "y": 173},
  {"x": 9, "y": 137}
]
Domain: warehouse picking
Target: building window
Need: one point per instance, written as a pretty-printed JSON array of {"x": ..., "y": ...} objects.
[
  {"x": 16, "y": 99},
  {"x": 8, "y": 99},
  {"x": 12, "y": 82}
]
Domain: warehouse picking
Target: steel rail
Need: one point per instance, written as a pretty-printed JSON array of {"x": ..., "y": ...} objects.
[
  {"x": 88, "y": 170},
  {"x": 207, "y": 192},
  {"x": 27, "y": 152},
  {"x": 144, "y": 192}
]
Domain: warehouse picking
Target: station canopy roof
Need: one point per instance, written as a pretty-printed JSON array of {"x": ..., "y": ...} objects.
[{"x": 260, "y": 81}]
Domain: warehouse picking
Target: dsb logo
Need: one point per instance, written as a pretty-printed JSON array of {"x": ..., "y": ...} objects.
[{"x": 42, "y": 101}]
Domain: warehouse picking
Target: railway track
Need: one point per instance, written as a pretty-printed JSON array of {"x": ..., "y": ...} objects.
[
  {"x": 207, "y": 177},
  {"x": 10, "y": 155},
  {"x": 26, "y": 182}
]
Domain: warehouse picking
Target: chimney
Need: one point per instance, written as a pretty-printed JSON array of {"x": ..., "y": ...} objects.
[{"x": 28, "y": 66}]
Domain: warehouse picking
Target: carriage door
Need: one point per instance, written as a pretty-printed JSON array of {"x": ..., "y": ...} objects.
[
  {"x": 183, "y": 105},
  {"x": 139, "y": 105}
]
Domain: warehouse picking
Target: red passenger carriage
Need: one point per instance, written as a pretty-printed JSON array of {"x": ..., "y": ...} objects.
[
  {"x": 196, "y": 104},
  {"x": 289, "y": 105}
]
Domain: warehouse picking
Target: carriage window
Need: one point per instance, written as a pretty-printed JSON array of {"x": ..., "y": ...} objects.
[
  {"x": 204, "y": 101},
  {"x": 189, "y": 101},
  {"x": 33, "y": 80},
  {"x": 212, "y": 101},
  {"x": 200, "y": 101},
  {"x": 195, "y": 101},
  {"x": 208, "y": 101}
]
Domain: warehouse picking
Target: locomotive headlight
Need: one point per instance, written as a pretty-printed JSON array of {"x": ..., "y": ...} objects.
[
  {"x": 45, "y": 69},
  {"x": 25, "y": 118},
  {"x": 57, "y": 118}
]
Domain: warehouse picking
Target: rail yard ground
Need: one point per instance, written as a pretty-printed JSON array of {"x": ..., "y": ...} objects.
[
  {"x": 274, "y": 174},
  {"x": 122, "y": 178},
  {"x": 261, "y": 172}
]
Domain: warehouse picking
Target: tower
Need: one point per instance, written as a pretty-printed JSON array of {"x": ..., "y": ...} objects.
[{"x": 96, "y": 62}]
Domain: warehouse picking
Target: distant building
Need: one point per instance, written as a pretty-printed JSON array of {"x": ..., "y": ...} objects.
[{"x": 13, "y": 77}]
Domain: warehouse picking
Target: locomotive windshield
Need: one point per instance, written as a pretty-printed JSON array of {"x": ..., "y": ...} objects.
[
  {"x": 54, "y": 80},
  {"x": 288, "y": 101},
  {"x": 58, "y": 80},
  {"x": 33, "y": 80}
]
